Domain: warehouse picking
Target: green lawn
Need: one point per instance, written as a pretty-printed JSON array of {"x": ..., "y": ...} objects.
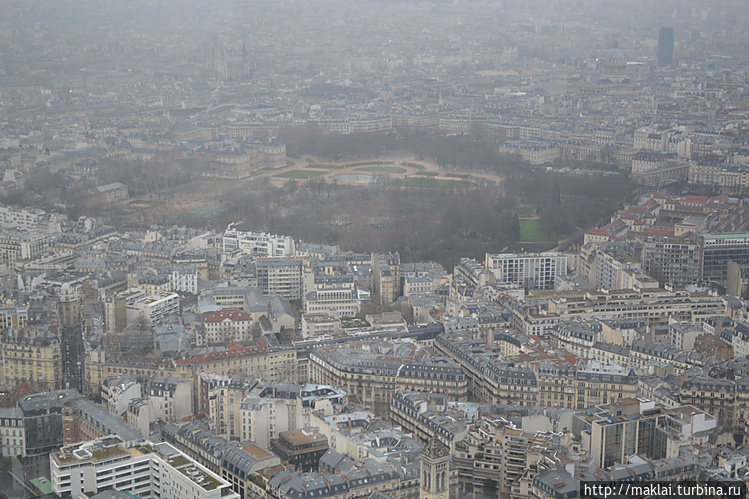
[
  {"x": 301, "y": 174},
  {"x": 524, "y": 212},
  {"x": 531, "y": 231},
  {"x": 457, "y": 175},
  {"x": 435, "y": 183},
  {"x": 427, "y": 174},
  {"x": 381, "y": 169},
  {"x": 415, "y": 165}
]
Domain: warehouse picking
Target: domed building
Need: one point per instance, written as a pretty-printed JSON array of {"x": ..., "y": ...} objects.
[{"x": 614, "y": 66}]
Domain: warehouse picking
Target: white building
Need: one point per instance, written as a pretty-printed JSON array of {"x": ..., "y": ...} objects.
[
  {"x": 154, "y": 308},
  {"x": 264, "y": 414},
  {"x": 184, "y": 279},
  {"x": 223, "y": 326},
  {"x": 336, "y": 302},
  {"x": 12, "y": 432},
  {"x": 147, "y": 470},
  {"x": 530, "y": 270},
  {"x": 257, "y": 243},
  {"x": 22, "y": 219}
]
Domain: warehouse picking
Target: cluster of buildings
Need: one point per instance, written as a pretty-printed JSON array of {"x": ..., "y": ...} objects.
[
  {"x": 244, "y": 363},
  {"x": 176, "y": 362}
]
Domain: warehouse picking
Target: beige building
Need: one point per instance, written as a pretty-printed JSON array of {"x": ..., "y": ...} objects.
[
  {"x": 36, "y": 360},
  {"x": 374, "y": 378}
]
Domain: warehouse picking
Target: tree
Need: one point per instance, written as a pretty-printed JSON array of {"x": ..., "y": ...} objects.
[{"x": 513, "y": 227}]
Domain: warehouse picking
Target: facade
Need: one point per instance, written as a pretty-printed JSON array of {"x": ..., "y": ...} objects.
[
  {"x": 675, "y": 262},
  {"x": 239, "y": 463},
  {"x": 257, "y": 243},
  {"x": 639, "y": 426},
  {"x": 665, "y": 46},
  {"x": 280, "y": 277},
  {"x": 375, "y": 379},
  {"x": 334, "y": 302},
  {"x": 531, "y": 270},
  {"x": 267, "y": 411},
  {"x": 17, "y": 247},
  {"x": 435, "y": 471},
  {"x": 12, "y": 432},
  {"x": 219, "y": 397},
  {"x": 155, "y": 309},
  {"x": 224, "y": 326},
  {"x": 147, "y": 470},
  {"x": 718, "y": 250},
  {"x": 36, "y": 360}
]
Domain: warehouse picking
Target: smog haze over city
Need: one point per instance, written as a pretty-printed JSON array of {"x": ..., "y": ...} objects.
[{"x": 373, "y": 248}]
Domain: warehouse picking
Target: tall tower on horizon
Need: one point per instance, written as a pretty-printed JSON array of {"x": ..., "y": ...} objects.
[{"x": 665, "y": 46}]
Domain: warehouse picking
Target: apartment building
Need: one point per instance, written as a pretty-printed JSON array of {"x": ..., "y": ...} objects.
[
  {"x": 374, "y": 378},
  {"x": 672, "y": 261},
  {"x": 146, "y": 470},
  {"x": 257, "y": 243},
  {"x": 386, "y": 276},
  {"x": 268, "y": 410},
  {"x": 239, "y": 463},
  {"x": 21, "y": 219},
  {"x": 531, "y": 270},
  {"x": 272, "y": 365},
  {"x": 639, "y": 426},
  {"x": 12, "y": 432},
  {"x": 335, "y": 302},
  {"x": 36, "y": 359},
  {"x": 218, "y": 397},
  {"x": 280, "y": 277},
  {"x": 18, "y": 247},
  {"x": 224, "y": 326},
  {"x": 155, "y": 308}
]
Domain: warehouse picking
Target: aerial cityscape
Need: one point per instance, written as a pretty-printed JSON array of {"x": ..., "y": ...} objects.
[{"x": 379, "y": 249}]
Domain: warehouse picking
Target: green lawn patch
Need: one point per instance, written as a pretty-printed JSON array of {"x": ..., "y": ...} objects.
[
  {"x": 427, "y": 174},
  {"x": 530, "y": 230},
  {"x": 434, "y": 183},
  {"x": 381, "y": 169},
  {"x": 301, "y": 174},
  {"x": 415, "y": 165},
  {"x": 524, "y": 212},
  {"x": 457, "y": 175}
]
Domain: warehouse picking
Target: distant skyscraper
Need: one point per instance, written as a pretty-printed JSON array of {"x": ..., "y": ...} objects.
[{"x": 665, "y": 46}]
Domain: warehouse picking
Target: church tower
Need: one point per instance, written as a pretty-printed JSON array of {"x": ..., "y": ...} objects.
[{"x": 435, "y": 471}]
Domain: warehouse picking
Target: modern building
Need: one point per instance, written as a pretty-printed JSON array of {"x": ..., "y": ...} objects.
[
  {"x": 280, "y": 276},
  {"x": 665, "y": 46},
  {"x": 672, "y": 261},
  {"x": 154, "y": 309},
  {"x": 718, "y": 250},
  {"x": 147, "y": 470},
  {"x": 640, "y": 426},
  {"x": 531, "y": 270},
  {"x": 257, "y": 243}
]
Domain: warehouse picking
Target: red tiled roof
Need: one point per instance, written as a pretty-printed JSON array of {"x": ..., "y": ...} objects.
[
  {"x": 232, "y": 315},
  {"x": 230, "y": 353}
]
